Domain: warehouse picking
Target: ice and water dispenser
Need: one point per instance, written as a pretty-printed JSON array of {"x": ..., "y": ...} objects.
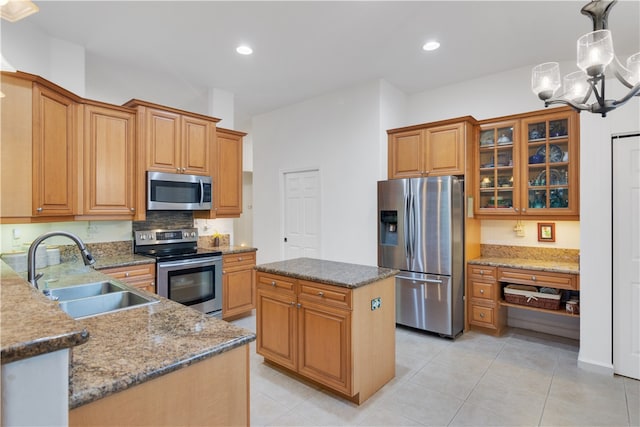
[{"x": 389, "y": 228}]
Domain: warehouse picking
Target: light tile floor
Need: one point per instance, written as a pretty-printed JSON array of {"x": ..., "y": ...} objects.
[{"x": 520, "y": 379}]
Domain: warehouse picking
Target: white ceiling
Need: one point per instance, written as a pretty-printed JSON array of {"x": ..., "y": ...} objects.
[{"x": 303, "y": 49}]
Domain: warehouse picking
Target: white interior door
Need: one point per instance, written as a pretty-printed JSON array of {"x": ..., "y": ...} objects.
[
  {"x": 302, "y": 214},
  {"x": 626, "y": 256}
]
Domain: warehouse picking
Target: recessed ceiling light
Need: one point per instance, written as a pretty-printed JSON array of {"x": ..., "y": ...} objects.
[
  {"x": 244, "y": 50},
  {"x": 432, "y": 45}
]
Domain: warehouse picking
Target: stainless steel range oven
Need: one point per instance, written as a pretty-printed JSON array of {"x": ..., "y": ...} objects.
[{"x": 184, "y": 273}]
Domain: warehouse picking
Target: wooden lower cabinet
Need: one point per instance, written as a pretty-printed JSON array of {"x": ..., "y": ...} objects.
[
  {"x": 142, "y": 276},
  {"x": 213, "y": 392},
  {"x": 238, "y": 287},
  {"x": 486, "y": 307},
  {"x": 328, "y": 334}
]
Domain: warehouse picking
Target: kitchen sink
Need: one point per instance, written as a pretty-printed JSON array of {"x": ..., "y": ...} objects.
[
  {"x": 97, "y": 298},
  {"x": 84, "y": 291}
]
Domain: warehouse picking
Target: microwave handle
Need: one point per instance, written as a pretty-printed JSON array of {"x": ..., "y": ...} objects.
[{"x": 201, "y": 192}]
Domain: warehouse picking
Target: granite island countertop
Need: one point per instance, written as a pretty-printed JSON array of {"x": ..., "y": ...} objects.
[
  {"x": 118, "y": 350},
  {"x": 329, "y": 272},
  {"x": 553, "y": 266}
]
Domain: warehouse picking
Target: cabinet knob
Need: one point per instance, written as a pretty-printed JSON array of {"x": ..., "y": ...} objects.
[
  {"x": 533, "y": 278},
  {"x": 482, "y": 272},
  {"x": 482, "y": 315},
  {"x": 126, "y": 274},
  {"x": 292, "y": 303},
  {"x": 224, "y": 272},
  {"x": 273, "y": 283},
  {"x": 299, "y": 305},
  {"x": 240, "y": 258},
  {"x": 524, "y": 210},
  {"x": 39, "y": 209},
  {"x": 320, "y": 294},
  {"x": 178, "y": 170},
  {"x": 183, "y": 169},
  {"x": 516, "y": 209},
  {"x": 482, "y": 291},
  {"x": 133, "y": 209}
]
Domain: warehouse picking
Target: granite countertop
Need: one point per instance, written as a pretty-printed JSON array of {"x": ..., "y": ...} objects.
[
  {"x": 31, "y": 323},
  {"x": 228, "y": 250},
  {"x": 553, "y": 266},
  {"x": 329, "y": 272},
  {"x": 122, "y": 260},
  {"x": 118, "y": 350}
]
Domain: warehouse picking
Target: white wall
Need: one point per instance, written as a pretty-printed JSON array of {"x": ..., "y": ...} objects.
[
  {"x": 338, "y": 133},
  {"x": 508, "y": 93}
]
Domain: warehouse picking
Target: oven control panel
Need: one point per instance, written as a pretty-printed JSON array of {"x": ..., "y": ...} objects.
[{"x": 156, "y": 237}]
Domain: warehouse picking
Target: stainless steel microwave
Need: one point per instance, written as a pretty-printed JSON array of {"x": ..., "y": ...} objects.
[{"x": 178, "y": 192}]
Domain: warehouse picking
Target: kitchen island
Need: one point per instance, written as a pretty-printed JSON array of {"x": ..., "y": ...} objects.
[
  {"x": 329, "y": 322},
  {"x": 159, "y": 364}
]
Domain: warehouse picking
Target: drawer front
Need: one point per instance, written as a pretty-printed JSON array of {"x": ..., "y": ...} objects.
[
  {"x": 483, "y": 290},
  {"x": 241, "y": 259},
  {"x": 538, "y": 278},
  {"x": 482, "y": 271},
  {"x": 325, "y": 294},
  {"x": 273, "y": 282},
  {"x": 483, "y": 316},
  {"x": 134, "y": 272}
]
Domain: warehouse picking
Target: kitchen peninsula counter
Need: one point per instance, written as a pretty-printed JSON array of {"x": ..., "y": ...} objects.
[{"x": 119, "y": 350}]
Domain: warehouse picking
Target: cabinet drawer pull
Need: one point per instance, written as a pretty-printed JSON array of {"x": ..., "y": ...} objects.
[
  {"x": 482, "y": 272},
  {"x": 126, "y": 274},
  {"x": 273, "y": 283},
  {"x": 39, "y": 209},
  {"x": 482, "y": 315},
  {"x": 482, "y": 291},
  {"x": 240, "y": 258},
  {"x": 533, "y": 278},
  {"x": 320, "y": 294}
]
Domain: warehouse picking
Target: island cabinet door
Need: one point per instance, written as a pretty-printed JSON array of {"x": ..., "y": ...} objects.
[
  {"x": 324, "y": 342},
  {"x": 276, "y": 327}
]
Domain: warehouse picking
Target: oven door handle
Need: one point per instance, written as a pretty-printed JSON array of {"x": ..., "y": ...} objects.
[{"x": 190, "y": 262}]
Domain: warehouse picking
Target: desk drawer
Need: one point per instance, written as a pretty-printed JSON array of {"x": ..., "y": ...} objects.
[
  {"x": 482, "y": 271},
  {"x": 483, "y": 316},
  {"x": 538, "y": 278},
  {"x": 483, "y": 290}
]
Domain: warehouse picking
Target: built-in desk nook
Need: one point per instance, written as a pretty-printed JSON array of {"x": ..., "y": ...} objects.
[{"x": 498, "y": 282}]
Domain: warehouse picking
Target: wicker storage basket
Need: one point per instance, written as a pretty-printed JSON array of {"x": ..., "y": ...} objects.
[{"x": 529, "y": 296}]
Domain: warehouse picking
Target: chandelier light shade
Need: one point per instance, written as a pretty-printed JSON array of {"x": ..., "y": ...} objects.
[{"x": 595, "y": 56}]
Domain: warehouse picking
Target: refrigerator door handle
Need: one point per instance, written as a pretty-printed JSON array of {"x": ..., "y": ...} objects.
[
  {"x": 412, "y": 226},
  {"x": 406, "y": 226}
]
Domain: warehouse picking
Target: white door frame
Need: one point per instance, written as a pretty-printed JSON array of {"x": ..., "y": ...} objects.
[
  {"x": 283, "y": 173},
  {"x": 623, "y": 321}
]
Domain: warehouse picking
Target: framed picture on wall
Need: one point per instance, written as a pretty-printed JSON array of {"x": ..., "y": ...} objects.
[{"x": 546, "y": 232}]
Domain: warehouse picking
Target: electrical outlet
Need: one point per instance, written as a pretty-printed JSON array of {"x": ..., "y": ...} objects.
[
  {"x": 376, "y": 303},
  {"x": 519, "y": 229},
  {"x": 16, "y": 233}
]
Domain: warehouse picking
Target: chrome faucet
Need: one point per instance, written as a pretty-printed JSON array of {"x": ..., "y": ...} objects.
[{"x": 31, "y": 257}]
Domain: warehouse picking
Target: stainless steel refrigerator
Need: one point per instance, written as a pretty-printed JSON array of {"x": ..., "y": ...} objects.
[{"x": 421, "y": 233}]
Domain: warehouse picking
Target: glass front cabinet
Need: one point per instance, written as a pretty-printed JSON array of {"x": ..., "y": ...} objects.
[{"x": 528, "y": 165}]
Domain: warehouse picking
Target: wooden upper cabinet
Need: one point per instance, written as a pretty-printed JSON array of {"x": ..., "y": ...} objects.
[
  {"x": 175, "y": 141},
  {"x": 162, "y": 139},
  {"x": 229, "y": 172},
  {"x": 16, "y": 155},
  {"x": 406, "y": 154},
  {"x": 445, "y": 149},
  {"x": 109, "y": 161},
  {"x": 227, "y": 177},
  {"x": 54, "y": 153},
  {"x": 430, "y": 149},
  {"x": 527, "y": 165},
  {"x": 197, "y": 135}
]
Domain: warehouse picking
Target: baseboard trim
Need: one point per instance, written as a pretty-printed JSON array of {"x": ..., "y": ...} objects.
[{"x": 597, "y": 368}]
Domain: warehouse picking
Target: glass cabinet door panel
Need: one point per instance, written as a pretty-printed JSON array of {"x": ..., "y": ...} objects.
[
  {"x": 505, "y": 135},
  {"x": 558, "y": 128},
  {"x": 537, "y": 131}
]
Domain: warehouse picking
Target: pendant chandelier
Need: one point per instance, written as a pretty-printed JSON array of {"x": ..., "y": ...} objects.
[{"x": 595, "y": 56}]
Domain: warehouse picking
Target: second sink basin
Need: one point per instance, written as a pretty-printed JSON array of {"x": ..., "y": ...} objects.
[
  {"x": 83, "y": 291},
  {"x": 104, "y": 303}
]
